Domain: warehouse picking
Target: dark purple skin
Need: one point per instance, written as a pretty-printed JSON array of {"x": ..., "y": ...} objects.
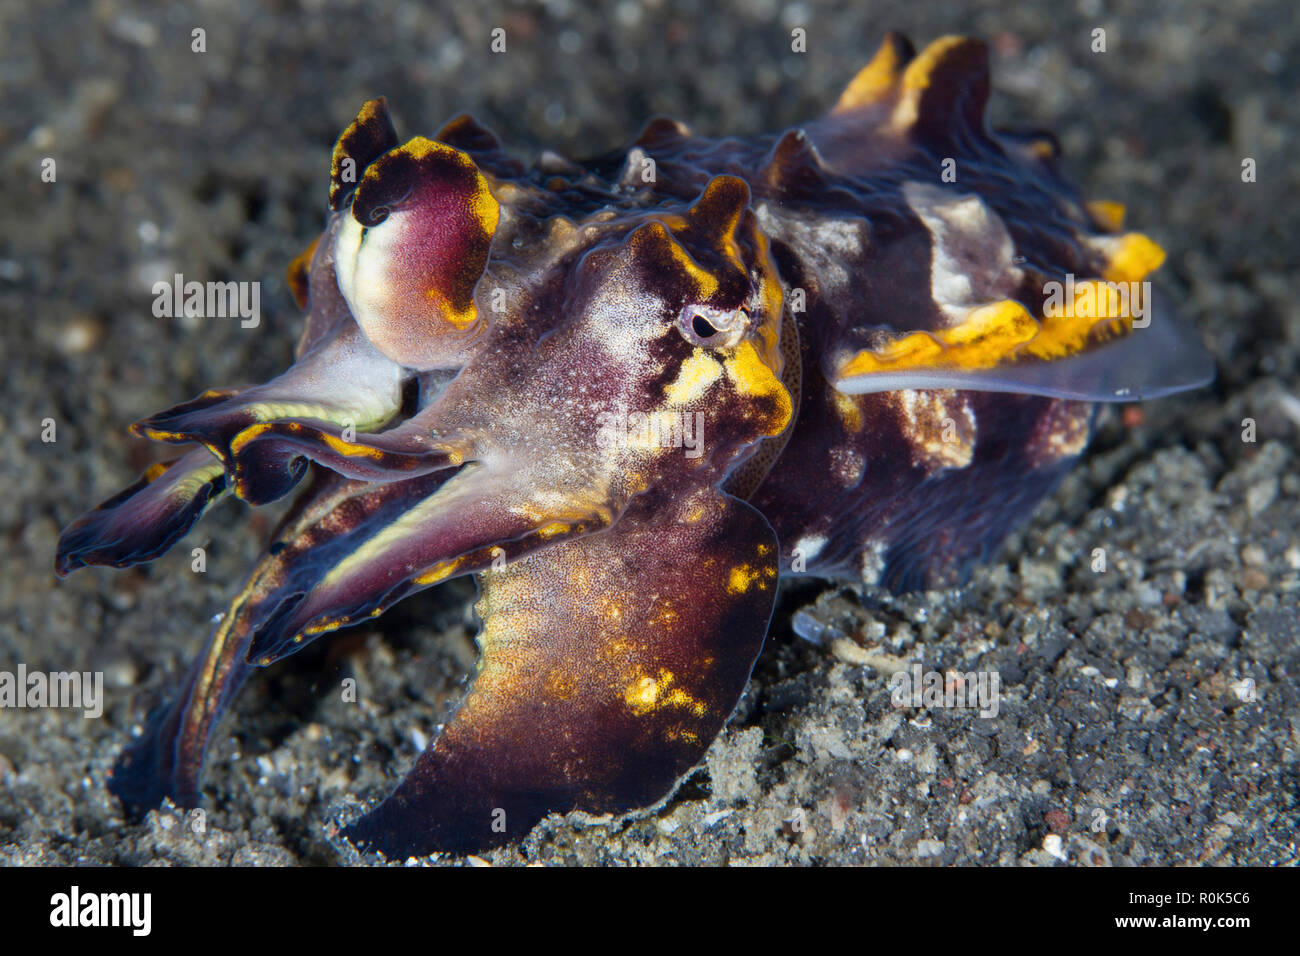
[{"x": 480, "y": 341}]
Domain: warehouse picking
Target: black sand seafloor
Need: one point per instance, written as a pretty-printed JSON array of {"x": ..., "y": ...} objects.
[{"x": 1149, "y": 713}]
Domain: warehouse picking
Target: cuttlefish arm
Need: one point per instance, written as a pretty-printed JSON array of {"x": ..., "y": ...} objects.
[
  {"x": 349, "y": 550},
  {"x": 605, "y": 671},
  {"x": 141, "y": 522},
  {"x": 344, "y": 381},
  {"x": 329, "y": 518}
]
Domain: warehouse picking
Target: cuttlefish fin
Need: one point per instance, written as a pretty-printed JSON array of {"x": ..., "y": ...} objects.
[{"x": 608, "y": 664}]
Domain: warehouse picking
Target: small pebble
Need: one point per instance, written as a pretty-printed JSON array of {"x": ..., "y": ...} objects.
[{"x": 80, "y": 334}]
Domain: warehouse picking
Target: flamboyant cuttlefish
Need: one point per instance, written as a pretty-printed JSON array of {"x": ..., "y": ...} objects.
[{"x": 629, "y": 395}]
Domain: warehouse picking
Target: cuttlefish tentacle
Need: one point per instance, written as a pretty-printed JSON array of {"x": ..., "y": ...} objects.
[{"x": 606, "y": 668}]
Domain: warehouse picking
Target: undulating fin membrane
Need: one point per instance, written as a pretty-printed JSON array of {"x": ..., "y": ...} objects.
[
  {"x": 1118, "y": 340},
  {"x": 605, "y": 672},
  {"x": 343, "y": 381},
  {"x": 143, "y": 521},
  {"x": 961, "y": 517},
  {"x": 367, "y": 138},
  {"x": 167, "y": 759}
]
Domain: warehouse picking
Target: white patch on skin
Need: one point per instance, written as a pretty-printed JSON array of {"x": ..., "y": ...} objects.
[
  {"x": 1062, "y": 432},
  {"x": 811, "y": 546},
  {"x": 973, "y": 255},
  {"x": 873, "y": 560},
  {"x": 848, "y": 466},
  {"x": 824, "y": 245},
  {"x": 940, "y": 424}
]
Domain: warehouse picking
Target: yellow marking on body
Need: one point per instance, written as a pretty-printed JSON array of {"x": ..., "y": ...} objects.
[
  {"x": 157, "y": 434},
  {"x": 706, "y": 284},
  {"x": 987, "y": 336},
  {"x": 1004, "y": 330},
  {"x": 459, "y": 319},
  {"x": 772, "y": 304},
  {"x": 155, "y": 471},
  {"x": 370, "y": 110},
  {"x": 696, "y": 375},
  {"x": 753, "y": 376},
  {"x": 1107, "y": 212},
  {"x": 921, "y": 70},
  {"x": 728, "y": 227},
  {"x": 646, "y": 694},
  {"x": 741, "y": 578},
  {"x": 875, "y": 80},
  {"x": 190, "y": 485},
  {"x": 407, "y": 524},
  {"x": 351, "y": 449},
  {"x": 329, "y": 624},
  {"x": 917, "y": 77},
  {"x": 1132, "y": 257},
  {"x": 1097, "y": 312},
  {"x": 440, "y": 571},
  {"x": 642, "y": 695},
  {"x": 1043, "y": 148},
  {"x": 679, "y": 698},
  {"x": 276, "y": 413},
  {"x": 849, "y": 412}
]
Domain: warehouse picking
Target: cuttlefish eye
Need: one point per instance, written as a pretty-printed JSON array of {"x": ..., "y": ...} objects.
[{"x": 713, "y": 327}]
